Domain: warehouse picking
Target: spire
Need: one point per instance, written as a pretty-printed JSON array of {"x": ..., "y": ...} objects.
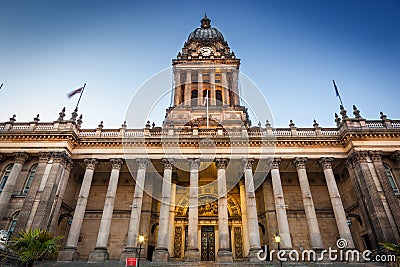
[{"x": 205, "y": 22}]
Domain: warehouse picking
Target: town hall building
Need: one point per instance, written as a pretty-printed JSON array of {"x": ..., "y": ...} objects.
[{"x": 206, "y": 185}]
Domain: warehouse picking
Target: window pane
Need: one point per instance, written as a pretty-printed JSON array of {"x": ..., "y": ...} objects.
[
  {"x": 29, "y": 179},
  {"x": 391, "y": 180},
  {"x": 5, "y": 177}
]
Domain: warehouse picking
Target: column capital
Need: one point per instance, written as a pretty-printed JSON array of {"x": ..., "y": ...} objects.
[
  {"x": 375, "y": 155},
  {"x": 221, "y": 163},
  {"x": 396, "y": 155},
  {"x": 326, "y": 162},
  {"x": 91, "y": 163},
  {"x": 194, "y": 164},
  {"x": 142, "y": 163},
  {"x": 360, "y": 156},
  {"x": 116, "y": 163},
  {"x": 44, "y": 156},
  {"x": 20, "y": 157},
  {"x": 247, "y": 163},
  {"x": 275, "y": 163},
  {"x": 300, "y": 162},
  {"x": 168, "y": 163}
]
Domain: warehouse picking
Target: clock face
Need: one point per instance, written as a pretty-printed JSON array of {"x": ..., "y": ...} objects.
[{"x": 206, "y": 51}]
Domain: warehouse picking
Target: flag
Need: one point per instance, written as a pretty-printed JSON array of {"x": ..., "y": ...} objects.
[
  {"x": 336, "y": 90},
  {"x": 74, "y": 92}
]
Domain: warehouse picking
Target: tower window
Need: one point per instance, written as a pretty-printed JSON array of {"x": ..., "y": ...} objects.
[
  {"x": 194, "y": 97},
  {"x": 218, "y": 96},
  {"x": 13, "y": 222},
  {"x": 5, "y": 177},
  {"x": 29, "y": 180},
  {"x": 391, "y": 179}
]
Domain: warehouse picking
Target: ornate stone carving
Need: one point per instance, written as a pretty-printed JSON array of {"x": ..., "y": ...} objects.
[
  {"x": 142, "y": 163},
  {"x": 343, "y": 112},
  {"x": 44, "y": 156},
  {"x": 178, "y": 242},
  {"x": 375, "y": 155},
  {"x": 20, "y": 157},
  {"x": 221, "y": 163},
  {"x": 300, "y": 162},
  {"x": 168, "y": 163},
  {"x": 116, "y": 163},
  {"x": 360, "y": 156},
  {"x": 60, "y": 157},
  {"x": 247, "y": 163},
  {"x": 74, "y": 114},
  {"x": 238, "y": 240},
  {"x": 326, "y": 162},
  {"x": 337, "y": 120},
  {"x": 356, "y": 113},
  {"x": 350, "y": 162},
  {"x": 209, "y": 209},
  {"x": 61, "y": 115},
  {"x": 91, "y": 163},
  {"x": 194, "y": 164},
  {"x": 396, "y": 155},
  {"x": 275, "y": 163}
]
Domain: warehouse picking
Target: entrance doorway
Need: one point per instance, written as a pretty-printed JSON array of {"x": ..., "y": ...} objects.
[{"x": 207, "y": 243}]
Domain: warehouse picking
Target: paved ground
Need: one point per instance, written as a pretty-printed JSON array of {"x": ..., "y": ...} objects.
[{"x": 202, "y": 264}]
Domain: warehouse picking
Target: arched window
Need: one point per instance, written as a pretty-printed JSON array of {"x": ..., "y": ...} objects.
[
  {"x": 194, "y": 97},
  {"x": 392, "y": 182},
  {"x": 218, "y": 96},
  {"x": 5, "y": 177},
  {"x": 13, "y": 222},
  {"x": 29, "y": 180}
]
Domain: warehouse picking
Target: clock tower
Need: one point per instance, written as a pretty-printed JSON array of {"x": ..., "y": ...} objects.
[{"x": 206, "y": 83}]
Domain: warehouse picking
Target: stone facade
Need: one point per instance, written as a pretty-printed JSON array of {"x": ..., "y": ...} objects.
[{"x": 98, "y": 188}]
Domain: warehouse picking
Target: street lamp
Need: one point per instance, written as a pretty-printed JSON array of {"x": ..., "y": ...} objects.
[
  {"x": 277, "y": 240},
  {"x": 141, "y": 240}
]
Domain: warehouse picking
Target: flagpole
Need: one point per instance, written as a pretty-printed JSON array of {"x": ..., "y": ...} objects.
[
  {"x": 77, "y": 104},
  {"x": 337, "y": 93},
  {"x": 1, "y": 85},
  {"x": 207, "y": 106}
]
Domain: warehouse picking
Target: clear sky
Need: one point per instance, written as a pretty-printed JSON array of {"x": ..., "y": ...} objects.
[{"x": 291, "y": 49}]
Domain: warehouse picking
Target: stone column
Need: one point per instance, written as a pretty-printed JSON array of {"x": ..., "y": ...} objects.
[
  {"x": 134, "y": 223},
  {"x": 337, "y": 205},
  {"x": 193, "y": 253},
  {"x": 389, "y": 200},
  {"x": 59, "y": 196},
  {"x": 29, "y": 201},
  {"x": 48, "y": 189},
  {"x": 225, "y": 87},
  {"x": 224, "y": 253},
  {"x": 281, "y": 217},
  {"x": 362, "y": 168},
  {"x": 70, "y": 252},
  {"x": 245, "y": 226},
  {"x": 5, "y": 196},
  {"x": 100, "y": 253},
  {"x": 309, "y": 209},
  {"x": 235, "y": 89},
  {"x": 200, "y": 98},
  {"x": 252, "y": 218},
  {"x": 188, "y": 87},
  {"x": 171, "y": 229},
  {"x": 161, "y": 253},
  {"x": 212, "y": 85},
  {"x": 177, "y": 91}
]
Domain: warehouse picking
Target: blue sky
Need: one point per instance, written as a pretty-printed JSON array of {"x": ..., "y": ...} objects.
[{"x": 291, "y": 49}]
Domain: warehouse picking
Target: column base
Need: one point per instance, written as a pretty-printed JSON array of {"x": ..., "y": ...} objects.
[
  {"x": 253, "y": 255},
  {"x": 160, "y": 255},
  {"x": 99, "y": 254},
  {"x": 192, "y": 255},
  {"x": 68, "y": 254},
  {"x": 224, "y": 256}
]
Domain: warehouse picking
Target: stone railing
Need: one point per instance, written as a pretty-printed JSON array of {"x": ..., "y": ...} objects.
[{"x": 65, "y": 126}]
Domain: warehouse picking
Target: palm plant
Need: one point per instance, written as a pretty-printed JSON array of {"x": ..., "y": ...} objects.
[
  {"x": 34, "y": 245},
  {"x": 393, "y": 247}
]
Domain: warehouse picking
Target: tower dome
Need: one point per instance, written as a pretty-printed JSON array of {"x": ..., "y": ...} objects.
[{"x": 206, "y": 32}]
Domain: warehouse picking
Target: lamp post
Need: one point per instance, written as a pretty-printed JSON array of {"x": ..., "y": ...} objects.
[
  {"x": 277, "y": 239},
  {"x": 141, "y": 240}
]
